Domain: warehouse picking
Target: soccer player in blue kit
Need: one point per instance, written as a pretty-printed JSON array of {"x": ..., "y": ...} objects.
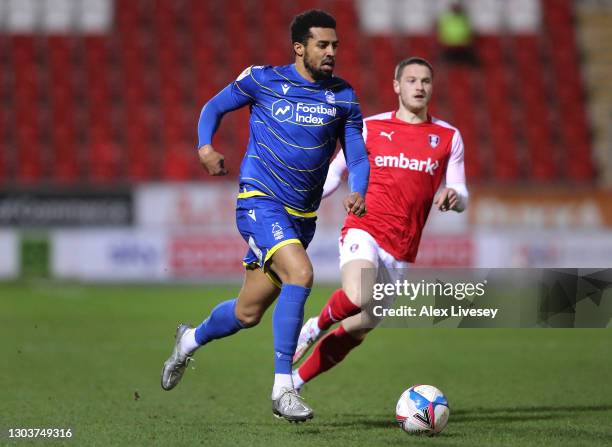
[{"x": 298, "y": 113}]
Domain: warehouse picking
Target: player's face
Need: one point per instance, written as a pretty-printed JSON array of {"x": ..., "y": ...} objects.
[
  {"x": 320, "y": 53},
  {"x": 414, "y": 87}
]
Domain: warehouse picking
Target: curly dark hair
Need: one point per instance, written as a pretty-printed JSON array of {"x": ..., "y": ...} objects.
[{"x": 314, "y": 18}]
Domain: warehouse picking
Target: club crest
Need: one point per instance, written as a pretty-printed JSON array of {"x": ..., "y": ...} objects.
[
  {"x": 330, "y": 97},
  {"x": 434, "y": 140}
]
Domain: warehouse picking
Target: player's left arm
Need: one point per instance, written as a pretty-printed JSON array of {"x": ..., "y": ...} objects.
[
  {"x": 356, "y": 157},
  {"x": 454, "y": 196}
]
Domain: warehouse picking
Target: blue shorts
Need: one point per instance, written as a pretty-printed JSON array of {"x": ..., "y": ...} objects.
[{"x": 266, "y": 225}]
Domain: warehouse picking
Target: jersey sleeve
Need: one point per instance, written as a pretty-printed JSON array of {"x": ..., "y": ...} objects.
[
  {"x": 455, "y": 171},
  {"x": 354, "y": 148},
  {"x": 353, "y": 125},
  {"x": 249, "y": 82},
  {"x": 337, "y": 169},
  {"x": 239, "y": 93}
]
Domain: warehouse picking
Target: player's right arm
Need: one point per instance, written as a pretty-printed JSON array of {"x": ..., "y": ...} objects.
[
  {"x": 336, "y": 172},
  {"x": 237, "y": 94}
]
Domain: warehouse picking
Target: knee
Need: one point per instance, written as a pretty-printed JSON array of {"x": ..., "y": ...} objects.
[
  {"x": 353, "y": 292},
  {"x": 248, "y": 317},
  {"x": 301, "y": 276}
]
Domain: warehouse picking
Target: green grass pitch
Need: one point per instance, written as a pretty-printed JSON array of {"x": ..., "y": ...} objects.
[{"x": 89, "y": 358}]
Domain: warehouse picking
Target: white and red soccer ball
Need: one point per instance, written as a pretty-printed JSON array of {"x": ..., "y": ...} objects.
[{"x": 422, "y": 409}]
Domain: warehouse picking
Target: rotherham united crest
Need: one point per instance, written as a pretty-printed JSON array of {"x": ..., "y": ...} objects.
[{"x": 434, "y": 140}]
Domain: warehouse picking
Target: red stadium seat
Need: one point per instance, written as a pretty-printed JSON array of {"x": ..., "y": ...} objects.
[
  {"x": 4, "y": 176},
  {"x": 423, "y": 46},
  {"x": 126, "y": 103},
  {"x": 542, "y": 160},
  {"x": 4, "y": 146},
  {"x": 580, "y": 164},
  {"x": 474, "y": 169},
  {"x": 178, "y": 162},
  {"x": 29, "y": 157},
  {"x": 65, "y": 164},
  {"x": 103, "y": 161},
  {"x": 505, "y": 166},
  {"x": 489, "y": 50},
  {"x": 139, "y": 165}
]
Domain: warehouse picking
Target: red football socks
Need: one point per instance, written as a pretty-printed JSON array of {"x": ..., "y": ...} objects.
[
  {"x": 329, "y": 351},
  {"x": 338, "y": 307}
]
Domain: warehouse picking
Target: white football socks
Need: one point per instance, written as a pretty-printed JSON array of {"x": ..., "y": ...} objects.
[
  {"x": 281, "y": 381},
  {"x": 297, "y": 380},
  {"x": 188, "y": 343}
]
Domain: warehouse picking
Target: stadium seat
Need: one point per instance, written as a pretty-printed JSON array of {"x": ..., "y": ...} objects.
[
  {"x": 134, "y": 95},
  {"x": 474, "y": 169},
  {"x": 139, "y": 161},
  {"x": 421, "y": 45},
  {"x": 4, "y": 175},
  {"x": 102, "y": 161},
  {"x": 65, "y": 164},
  {"x": 178, "y": 162},
  {"x": 4, "y": 146},
  {"x": 29, "y": 157},
  {"x": 489, "y": 50}
]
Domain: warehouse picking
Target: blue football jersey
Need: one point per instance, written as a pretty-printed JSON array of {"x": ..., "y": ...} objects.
[{"x": 294, "y": 127}]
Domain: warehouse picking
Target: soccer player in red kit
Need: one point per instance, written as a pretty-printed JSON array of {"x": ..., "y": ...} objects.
[{"x": 410, "y": 154}]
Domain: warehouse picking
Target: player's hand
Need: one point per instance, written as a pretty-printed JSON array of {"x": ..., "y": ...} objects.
[
  {"x": 354, "y": 203},
  {"x": 212, "y": 160},
  {"x": 447, "y": 200}
]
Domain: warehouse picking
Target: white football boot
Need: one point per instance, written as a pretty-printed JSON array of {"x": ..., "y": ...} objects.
[
  {"x": 291, "y": 406},
  {"x": 309, "y": 334},
  {"x": 175, "y": 366}
]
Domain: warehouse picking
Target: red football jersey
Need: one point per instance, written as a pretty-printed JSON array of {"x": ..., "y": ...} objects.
[{"x": 407, "y": 164}]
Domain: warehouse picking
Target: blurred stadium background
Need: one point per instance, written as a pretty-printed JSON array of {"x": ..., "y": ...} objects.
[
  {"x": 99, "y": 100},
  {"x": 100, "y": 184}
]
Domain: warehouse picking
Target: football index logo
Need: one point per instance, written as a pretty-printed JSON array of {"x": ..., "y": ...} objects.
[
  {"x": 309, "y": 114},
  {"x": 282, "y": 110}
]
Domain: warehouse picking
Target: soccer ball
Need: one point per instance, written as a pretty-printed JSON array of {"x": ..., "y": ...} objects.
[{"x": 423, "y": 410}]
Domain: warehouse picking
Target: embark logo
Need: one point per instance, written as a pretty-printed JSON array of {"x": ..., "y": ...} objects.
[
  {"x": 391, "y": 161},
  {"x": 283, "y": 110}
]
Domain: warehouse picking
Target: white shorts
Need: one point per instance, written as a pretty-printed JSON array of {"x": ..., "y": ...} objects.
[{"x": 359, "y": 244}]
